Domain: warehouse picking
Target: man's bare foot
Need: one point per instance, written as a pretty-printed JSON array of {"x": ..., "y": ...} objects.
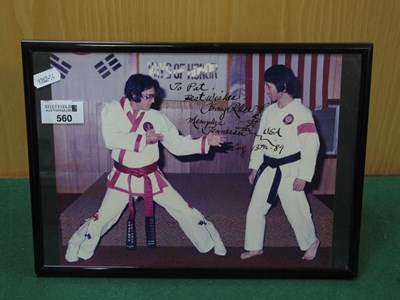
[
  {"x": 312, "y": 251},
  {"x": 249, "y": 254}
]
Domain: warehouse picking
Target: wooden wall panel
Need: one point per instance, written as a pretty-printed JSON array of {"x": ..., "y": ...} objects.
[
  {"x": 80, "y": 154},
  {"x": 205, "y": 21}
]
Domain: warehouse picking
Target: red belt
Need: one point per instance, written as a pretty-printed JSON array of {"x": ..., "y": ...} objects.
[{"x": 148, "y": 188}]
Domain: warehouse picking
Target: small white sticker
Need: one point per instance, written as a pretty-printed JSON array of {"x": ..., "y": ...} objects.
[
  {"x": 45, "y": 78},
  {"x": 62, "y": 112}
]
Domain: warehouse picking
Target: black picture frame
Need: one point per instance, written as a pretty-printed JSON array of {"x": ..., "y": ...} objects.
[{"x": 347, "y": 147}]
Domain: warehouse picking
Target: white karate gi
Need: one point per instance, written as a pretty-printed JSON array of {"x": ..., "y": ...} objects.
[
  {"x": 283, "y": 132},
  {"x": 125, "y": 137}
]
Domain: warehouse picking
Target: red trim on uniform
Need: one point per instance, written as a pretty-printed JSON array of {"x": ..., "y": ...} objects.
[
  {"x": 135, "y": 122},
  {"x": 306, "y": 128},
  {"x": 122, "y": 102},
  {"x": 148, "y": 187},
  {"x": 137, "y": 143},
  {"x": 122, "y": 151},
  {"x": 131, "y": 119},
  {"x": 135, "y": 125},
  {"x": 111, "y": 183},
  {"x": 161, "y": 181},
  {"x": 121, "y": 156}
]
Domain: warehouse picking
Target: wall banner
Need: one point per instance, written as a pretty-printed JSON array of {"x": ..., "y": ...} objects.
[{"x": 190, "y": 77}]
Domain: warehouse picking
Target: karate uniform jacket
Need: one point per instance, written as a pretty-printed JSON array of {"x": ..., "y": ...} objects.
[
  {"x": 125, "y": 137},
  {"x": 286, "y": 131}
]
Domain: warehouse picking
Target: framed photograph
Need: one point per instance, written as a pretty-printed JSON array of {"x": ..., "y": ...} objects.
[{"x": 202, "y": 160}]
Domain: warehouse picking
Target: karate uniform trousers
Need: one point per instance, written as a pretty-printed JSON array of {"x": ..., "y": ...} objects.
[
  {"x": 283, "y": 132},
  {"x": 125, "y": 136}
]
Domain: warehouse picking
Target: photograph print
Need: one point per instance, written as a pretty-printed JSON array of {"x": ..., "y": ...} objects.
[{"x": 192, "y": 161}]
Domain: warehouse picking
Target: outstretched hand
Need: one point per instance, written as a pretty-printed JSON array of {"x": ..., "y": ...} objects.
[{"x": 216, "y": 139}]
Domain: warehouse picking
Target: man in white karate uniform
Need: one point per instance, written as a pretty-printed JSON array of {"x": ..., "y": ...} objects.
[
  {"x": 283, "y": 159},
  {"x": 132, "y": 130}
]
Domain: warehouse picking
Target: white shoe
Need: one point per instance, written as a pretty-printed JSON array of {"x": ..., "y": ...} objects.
[
  {"x": 219, "y": 249},
  {"x": 70, "y": 258}
]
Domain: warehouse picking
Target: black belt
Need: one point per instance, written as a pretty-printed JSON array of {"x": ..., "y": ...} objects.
[{"x": 274, "y": 163}]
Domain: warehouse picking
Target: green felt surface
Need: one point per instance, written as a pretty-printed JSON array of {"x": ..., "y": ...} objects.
[{"x": 379, "y": 263}]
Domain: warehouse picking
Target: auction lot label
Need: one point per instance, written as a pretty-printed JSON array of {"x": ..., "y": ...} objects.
[{"x": 62, "y": 112}]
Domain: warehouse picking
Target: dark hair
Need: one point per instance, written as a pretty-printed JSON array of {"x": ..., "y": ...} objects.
[
  {"x": 138, "y": 83},
  {"x": 282, "y": 77}
]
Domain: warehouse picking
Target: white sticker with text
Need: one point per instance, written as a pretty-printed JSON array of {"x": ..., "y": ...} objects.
[
  {"x": 62, "y": 112},
  {"x": 45, "y": 78}
]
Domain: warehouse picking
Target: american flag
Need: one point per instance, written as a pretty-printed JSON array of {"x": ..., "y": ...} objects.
[{"x": 318, "y": 76}]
